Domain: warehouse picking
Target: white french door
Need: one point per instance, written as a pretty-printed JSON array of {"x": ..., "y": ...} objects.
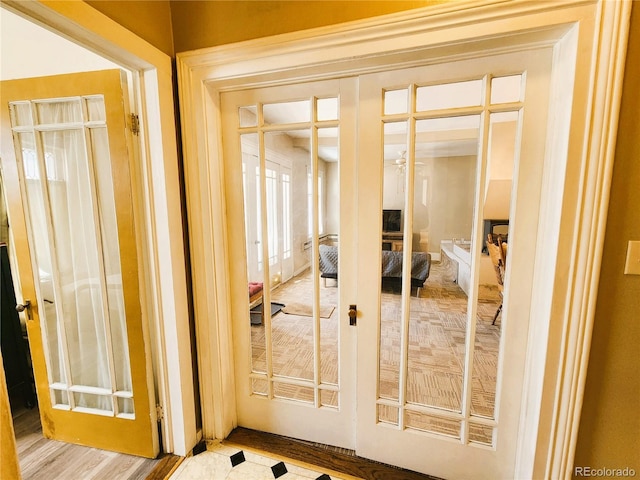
[
  {"x": 291, "y": 347},
  {"x": 451, "y": 147},
  {"x": 439, "y": 383}
]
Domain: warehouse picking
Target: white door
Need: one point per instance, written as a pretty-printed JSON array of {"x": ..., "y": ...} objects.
[
  {"x": 452, "y": 149},
  {"x": 293, "y": 359},
  {"x": 67, "y": 173},
  {"x": 439, "y": 382}
]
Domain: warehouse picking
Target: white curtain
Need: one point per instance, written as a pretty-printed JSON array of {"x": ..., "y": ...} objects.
[{"x": 77, "y": 233}]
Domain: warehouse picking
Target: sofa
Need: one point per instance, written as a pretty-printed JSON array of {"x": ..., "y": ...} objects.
[{"x": 391, "y": 265}]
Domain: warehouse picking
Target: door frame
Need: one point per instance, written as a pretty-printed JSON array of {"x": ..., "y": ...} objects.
[
  {"x": 158, "y": 190},
  {"x": 580, "y": 144}
]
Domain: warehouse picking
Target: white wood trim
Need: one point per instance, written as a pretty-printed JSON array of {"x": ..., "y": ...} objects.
[
  {"x": 605, "y": 91},
  {"x": 165, "y": 261}
]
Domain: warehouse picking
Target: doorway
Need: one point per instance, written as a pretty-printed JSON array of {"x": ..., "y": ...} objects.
[
  {"x": 16, "y": 30},
  {"x": 157, "y": 145},
  {"x": 403, "y": 42},
  {"x": 432, "y": 369}
]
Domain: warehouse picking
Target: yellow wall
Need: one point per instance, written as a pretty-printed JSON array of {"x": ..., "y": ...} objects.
[
  {"x": 609, "y": 433},
  {"x": 610, "y": 426},
  {"x": 149, "y": 19},
  {"x": 199, "y": 24}
]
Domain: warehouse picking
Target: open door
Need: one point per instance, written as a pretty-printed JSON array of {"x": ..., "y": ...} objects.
[{"x": 68, "y": 183}]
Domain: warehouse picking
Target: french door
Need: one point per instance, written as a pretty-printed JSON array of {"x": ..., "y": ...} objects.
[
  {"x": 289, "y": 340},
  {"x": 447, "y": 151},
  {"x": 68, "y": 176}
]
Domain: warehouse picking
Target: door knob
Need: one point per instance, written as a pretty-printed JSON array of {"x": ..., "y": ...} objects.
[
  {"x": 353, "y": 313},
  {"x": 26, "y": 306}
]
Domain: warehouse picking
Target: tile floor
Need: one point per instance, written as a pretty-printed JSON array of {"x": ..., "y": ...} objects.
[{"x": 224, "y": 461}]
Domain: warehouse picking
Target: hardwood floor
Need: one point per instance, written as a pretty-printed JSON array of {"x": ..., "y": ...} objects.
[
  {"x": 44, "y": 459},
  {"x": 339, "y": 460}
]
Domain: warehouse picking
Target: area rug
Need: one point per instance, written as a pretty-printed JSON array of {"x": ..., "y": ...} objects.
[
  {"x": 305, "y": 310},
  {"x": 256, "y": 312}
]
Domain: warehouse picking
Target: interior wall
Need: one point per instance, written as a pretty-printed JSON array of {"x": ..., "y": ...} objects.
[
  {"x": 609, "y": 434},
  {"x": 148, "y": 19},
  {"x": 201, "y": 24}
]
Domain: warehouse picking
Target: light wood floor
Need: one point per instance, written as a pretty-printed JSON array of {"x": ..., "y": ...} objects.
[{"x": 44, "y": 459}]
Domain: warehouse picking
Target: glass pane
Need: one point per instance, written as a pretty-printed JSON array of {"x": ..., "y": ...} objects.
[
  {"x": 291, "y": 199},
  {"x": 111, "y": 256},
  {"x": 480, "y": 434},
  {"x": 393, "y": 205},
  {"x": 59, "y": 112},
  {"x": 495, "y": 213},
  {"x": 259, "y": 386},
  {"x": 388, "y": 414},
  {"x": 74, "y": 221},
  {"x": 327, "y": 109},
  {"x": 328, "y": 221},
  {"x": 396, "y": 101},
  {"x": 21, "y": 114},
  {"x": 37, "y": 217},
  {"x": 248, "y": 116},
  {"x": 253, "y": 231},
  {"x": 329, "y": 398},
  {"x": 506, "y": 89},
  {"x": 96, "y": 109},
  {"x": 89, "y": 400},
  {"x": 273, "y": 224},
  {"x": 449, "y": 95},
  {"x": 428, "y": 423},
  {"x": 293, "y": 392},
  {"x": 292, "y": 326},
  {"x": 445, "y": 162},
  {"x": 287, "y": 112},
  {"x": 125, "y": 406},
  {"x": 59, "y": 398}
]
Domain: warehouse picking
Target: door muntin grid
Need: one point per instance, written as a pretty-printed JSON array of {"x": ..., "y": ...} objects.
[
  {"x": 65, "y": 169},
  {"x": 294, "y": 147},
  {"x": 439, "y": 352}
]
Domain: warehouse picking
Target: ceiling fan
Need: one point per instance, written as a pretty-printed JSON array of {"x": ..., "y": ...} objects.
[{"x": 401, "y": 162}]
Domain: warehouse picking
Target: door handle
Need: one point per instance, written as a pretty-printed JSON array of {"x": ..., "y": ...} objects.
[
  {"x": 353, "y": 313},
  {"x": 26, "y": 306}
]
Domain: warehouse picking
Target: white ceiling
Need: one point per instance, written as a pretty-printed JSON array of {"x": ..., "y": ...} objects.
[{"x": 28, "y": 50}]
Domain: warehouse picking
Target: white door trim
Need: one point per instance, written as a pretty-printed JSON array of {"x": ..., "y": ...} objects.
[
  {"x": 158, "y": 192},
  {"x": 574, "y": 212}
]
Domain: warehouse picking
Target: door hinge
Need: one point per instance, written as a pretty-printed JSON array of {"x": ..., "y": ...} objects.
[
  {"x": 159, "y": 412},
  {"x": 135, "y": 124}
]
